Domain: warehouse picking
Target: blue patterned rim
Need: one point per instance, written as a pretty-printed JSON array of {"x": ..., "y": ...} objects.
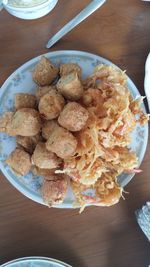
[
  {"x": 32, "y": 262},
  {"x": 80, "y": 57}
]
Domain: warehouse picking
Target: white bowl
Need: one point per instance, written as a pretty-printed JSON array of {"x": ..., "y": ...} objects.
[{"x": 33, "y": 12}]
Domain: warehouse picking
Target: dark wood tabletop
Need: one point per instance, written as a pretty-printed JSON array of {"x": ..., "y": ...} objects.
[{"x": 99, "y": 237}]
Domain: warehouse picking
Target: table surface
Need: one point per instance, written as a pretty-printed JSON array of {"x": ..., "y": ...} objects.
[{"x": 100, "y": 237}]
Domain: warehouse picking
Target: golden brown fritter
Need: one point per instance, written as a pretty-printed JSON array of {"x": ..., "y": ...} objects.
[
  {"x": 73, "y": 117},
  {"x": 70, "y": 86},
  {"x": 42, "y": 90},
  {"x": 26, "y": 122},
  {"x": 19, "y": 161},
  {"x": 45, "y": 72},
  {"x": 43, "y": 158},
  {"x": 67, "y": 68},
  {"x": 29, "y": 142},
  {"x": 62, "y": 142},
  {"x": 54, "y": 190},
  {"x": 48, "y": 128},
  {"x": 51, "y": 104},
  {"x": 6, "y": 124},
  {"x": 46, "y": 173},
  {"x": 25, "y": 101}
]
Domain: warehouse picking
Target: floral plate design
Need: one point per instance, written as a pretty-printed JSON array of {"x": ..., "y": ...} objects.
[{"x": 21, "y": 81}]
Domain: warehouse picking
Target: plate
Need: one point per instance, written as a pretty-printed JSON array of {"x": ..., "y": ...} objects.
[
  {"x": 21, "y": 81},
  {"x": 35, "y": 262},
  {"x": 147, "y": 79}
]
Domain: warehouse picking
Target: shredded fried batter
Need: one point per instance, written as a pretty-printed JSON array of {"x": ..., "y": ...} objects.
[{"x": 102, "y": 153}]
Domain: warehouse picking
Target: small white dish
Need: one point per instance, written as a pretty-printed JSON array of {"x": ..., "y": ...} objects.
[
  {"x": 35, "y": 262},
  {"x": 33, "y": 12},
  {"x": 147, "y": 80},
  {"x": 21, "y": 81}
]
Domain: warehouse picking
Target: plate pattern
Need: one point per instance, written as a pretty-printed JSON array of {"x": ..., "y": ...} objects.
[
  {"x": 35, "y": 262},
  {"x": 21, "y": 81}
]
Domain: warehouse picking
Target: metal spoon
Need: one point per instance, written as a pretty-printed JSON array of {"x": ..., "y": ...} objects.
[{"x": 87, "y": 11}]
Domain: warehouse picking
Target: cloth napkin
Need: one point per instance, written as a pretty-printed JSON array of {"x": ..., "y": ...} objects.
[{"x": 143, "y": 219}]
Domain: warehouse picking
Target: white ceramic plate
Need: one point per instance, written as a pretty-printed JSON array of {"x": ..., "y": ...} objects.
[
  {"x": 147, "y": 80},
  {"x": 21, "y": 81},
  {"x": 35, "y": 262}
]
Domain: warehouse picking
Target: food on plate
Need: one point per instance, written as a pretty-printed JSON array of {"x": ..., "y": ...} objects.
[
  {"x": 43, "y": 158},
  {"x": 26, "y": 122},
  {"x": 80, "y": 133},
  {"x": 62, "y": 143},
  {"x": 28, "y": 142},
  {"x": 70, "y": 86},
  {"x": 42, "y": 90},
  {"x": 25, "y": 101},
  {"x": 51, "y": 104},
  {"x": 46, "y": 173},
  {"x": 19, "y": 161},
  {"x": 54, "y": 189},
  {"x": 67, "y": 68},
  {"x": 73, "y": 117},
  {"x": 48, "y": 128},
  {"x": 105, "y": 192},
  {"x": 5, "y": 123},
  {"x": 45, "y": 72}
]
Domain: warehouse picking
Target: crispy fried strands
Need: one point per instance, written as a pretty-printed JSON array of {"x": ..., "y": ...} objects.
[
  {"x": 105, "y": 192},
  {"x": 102, "y": 153}
]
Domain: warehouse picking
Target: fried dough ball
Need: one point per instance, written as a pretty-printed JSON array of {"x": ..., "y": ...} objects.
[
  {"x": 42, "y": 90},
  {"x": 19, "y": 161},
  {"x": 62, "y": 142},
  {"x": 26, "y": 122},
  {"x": 25, "y": 101},
  {"x": 6, "y": 124},
  {"x": 73, "y": 117},
  {"x": 43, "y": 158},
  {"x": 48, "y": 128},
  {"x": 46, "y": 173},
  {"x": 51, "y": 104},
  {"x": 70, "y": 86},
  {"x": 54, "y": 190},
  {"x": 28, "y": 142},
  {"x": 45, "y": 72},
  {"x": 67, "y": 68}
]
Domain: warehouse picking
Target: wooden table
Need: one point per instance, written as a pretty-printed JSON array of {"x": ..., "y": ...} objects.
[{"x": 100, "y": 237}]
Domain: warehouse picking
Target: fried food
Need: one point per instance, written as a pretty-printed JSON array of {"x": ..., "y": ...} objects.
[
  {"x": 19, "y": 161},
  {"x": 45, "y": 72},
  {"x": 108, "y": 190},
  {"x": 54, "y": 190},
  {"x": 67, "y": 68},
  {"x": 26, "y": 122},
  {"x": 62, "y": 142},
  {"x": 70, "y": 86},
  {"x": 46, "y": 173},
  {"x": 6, "y": 124},
  {"x": 51, "y": 104},
  {"x": 29, "y": 142},
  {"x": 84, "y": 139},
  {"x": 73, "y": 117},
  {"x": 42, "y": 90},
  {"x": 25, "y": 101},
  {"x": 48, "y": 128},
  {"x": 43, "y": 158},
  {"x": 105, "y": 192}
]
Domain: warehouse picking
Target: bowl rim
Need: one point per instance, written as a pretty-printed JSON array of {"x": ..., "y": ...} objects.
[
  {"x": 35, "y": 258},
  {"x": 34, "y": 7}
]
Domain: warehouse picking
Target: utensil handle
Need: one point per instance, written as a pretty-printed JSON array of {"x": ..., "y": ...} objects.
[{"x": 94, "y": 5}]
